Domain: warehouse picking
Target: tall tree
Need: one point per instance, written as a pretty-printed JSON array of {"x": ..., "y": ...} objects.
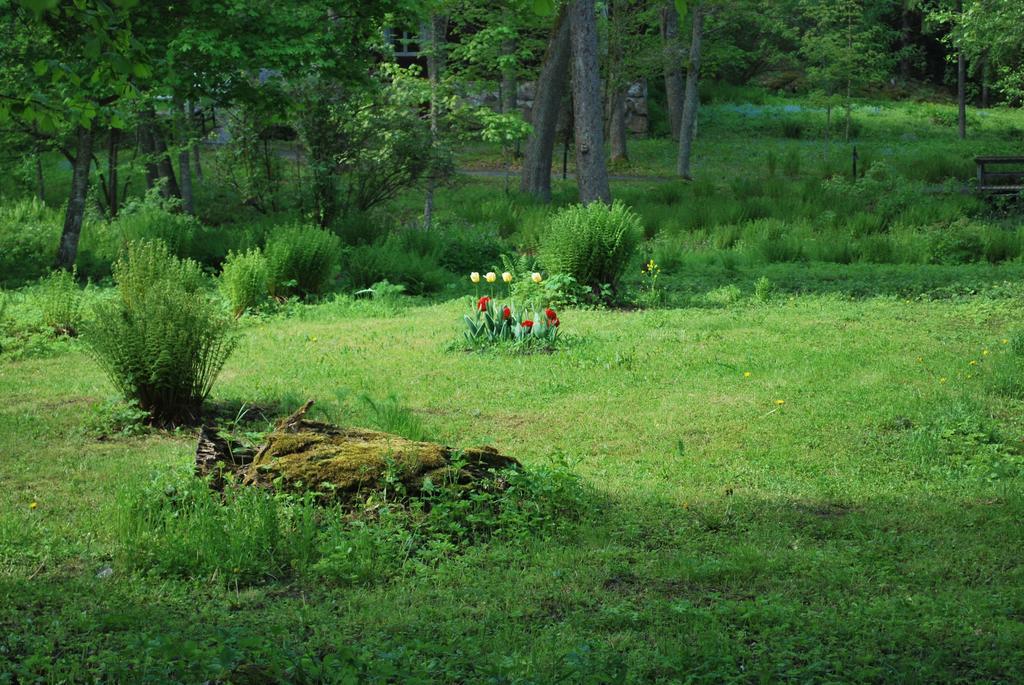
[
  {"x": 76, "y": 69},
  {"x": 591, "y": 171},
  {"x": 961, "y": 76},
  {"x": 435, "y": 37},
  {"x": 548, "y": 96},
  {"x": 672, "y": 65},
  {"x": 691, "y": 102}
]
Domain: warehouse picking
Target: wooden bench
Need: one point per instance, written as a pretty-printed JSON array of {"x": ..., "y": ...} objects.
[{"x": 1000, "y": 174}]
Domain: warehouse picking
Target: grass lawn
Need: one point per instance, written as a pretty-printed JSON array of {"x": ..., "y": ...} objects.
[{"x": 816, "y": 488}]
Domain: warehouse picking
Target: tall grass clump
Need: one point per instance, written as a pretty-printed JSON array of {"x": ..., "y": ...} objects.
[
  {"x": 244, "y": 280},
  {"x": 301, "y": 260},
  {"x": 592, "y": 243},
  {"x": 61, "y": 303},
  {"x": 161, "y": 340}
]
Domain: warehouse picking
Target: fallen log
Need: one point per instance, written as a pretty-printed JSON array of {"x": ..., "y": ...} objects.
[{"x": 302, "y": 455}]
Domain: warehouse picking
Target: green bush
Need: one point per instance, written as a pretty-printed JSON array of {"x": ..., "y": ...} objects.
[
  {"x": 398, "y": 259},
  {"x": 61, "y": 303},
  {"x": 186, "y": 237},
  {"x": 161, "y": 340},
  {"x": 592, "y": 243},
  {"x": 29, "y": 234},
  {"x": 301, "y": 260},
  {"x": 244, "y": 280}
]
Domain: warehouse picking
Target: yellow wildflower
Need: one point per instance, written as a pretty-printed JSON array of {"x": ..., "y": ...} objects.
[
  {"x": 973, "y": 362},
  {"x": 780, "y": 402},
  {"x": 33, "y": 505},
  {"x": 746, "y": 374},
  {"x": 942, "y": 380}
]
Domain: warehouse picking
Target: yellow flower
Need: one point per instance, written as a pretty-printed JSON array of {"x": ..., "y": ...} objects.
[
  {"x": 536, "y": 277},
  {"x": 33, "y": 505},
  {"x": 507, "y": 277},
  {"x": 942, "y": 380},
  {"x": 490, "y": 277},
  {"x": 475, "y": 277},
  {"x": 973, "y": 362},
  {"x": 746, "y": 374},
  {"x": 984, "y": 353},
  {"x": 920, "y": 359},
  {"x": 780, "y": 402},
  {"x": 1005, "y": 340}
]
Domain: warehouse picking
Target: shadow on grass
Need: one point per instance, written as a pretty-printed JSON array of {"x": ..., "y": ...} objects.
[{"x": 737, "y": 588}]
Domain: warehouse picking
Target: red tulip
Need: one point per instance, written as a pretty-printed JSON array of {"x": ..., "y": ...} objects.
[
  {"x": 481, "y": 304},
  {"x": 527, "y": 324},
  {"x": 506, "y": 313},
  {"x": 550, "y": 313}
]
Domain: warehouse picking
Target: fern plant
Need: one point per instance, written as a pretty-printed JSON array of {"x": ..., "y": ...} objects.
[
  {"x": 301, "y": 260},
  {"x": 162, "y": 340},
  {"x": 244, "y": 280},
  {"x": 592, "y": 243},
  {"x": 61, "y": 303}
]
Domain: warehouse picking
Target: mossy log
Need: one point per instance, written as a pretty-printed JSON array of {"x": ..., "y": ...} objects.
[{"x": 304, "y": 455}]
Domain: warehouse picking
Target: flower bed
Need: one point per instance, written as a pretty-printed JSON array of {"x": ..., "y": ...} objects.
[{"x": 491, "y": 322}]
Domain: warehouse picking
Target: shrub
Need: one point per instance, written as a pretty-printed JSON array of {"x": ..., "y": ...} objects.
[
  {"x": 244, "y": 280},
  {"x": 724, "y": 296},
  {"x": 153, "y": 218},
  {"x": 396, "y": 261},
  {"x": 61, "y": 303},
  {"x": 29, "y": 233},
  {"x": 957, "y": 244},
  {"x": 301, "y": 260},
  {"x": 592, "y": 243},
  {"x": 764, "y": 289},
  {"x": 161, "y": 341}
]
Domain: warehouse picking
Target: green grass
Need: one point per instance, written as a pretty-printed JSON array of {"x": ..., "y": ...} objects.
[
  {"x": 792, "y": 471},
  {"x": 864, "y": 530}
]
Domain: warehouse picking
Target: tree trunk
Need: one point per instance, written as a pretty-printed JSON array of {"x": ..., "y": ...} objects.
[
  {"x": 437, "y": 28},
  {"x": 540, "y": 146},
  {"x": 961, "y": 77},
  {"x": 509, "y": 90},
  {"x": 164, "y": 168},
  {"x": 672, "y": 66},
  {"x": 906, "y": 33},
  {"x": 591, "y": 172},
  {"x": 691, "y": 103},
  {"x": 617, "y": 85},
  {"x": 113, "y": 140},
  {"x": 40, "y": 181},
  {"x": 197, "y": 167},
  {"x": 184, "y": 134},
  {"x": 986, "y": 75},
  {"x": 617, "y": 125},
  {"x": 68, "y": 250}
]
